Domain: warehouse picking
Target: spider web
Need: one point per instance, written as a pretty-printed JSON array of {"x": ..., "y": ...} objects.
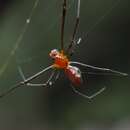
[
  {"x": 19, "y": 39},
  {"x": 30, "y": 49},
  {"x": 23, "y": 49}
]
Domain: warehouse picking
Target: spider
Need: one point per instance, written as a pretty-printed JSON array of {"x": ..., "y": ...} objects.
[{"x": 62, "y": 61}]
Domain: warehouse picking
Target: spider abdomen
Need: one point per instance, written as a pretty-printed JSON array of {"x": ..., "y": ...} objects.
[{"x": 74, "y": 75}]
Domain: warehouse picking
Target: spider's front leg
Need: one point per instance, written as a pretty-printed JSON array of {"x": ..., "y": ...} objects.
[
  {"x": 63, "y": 24},
  {"x": 73, "y": 41}
]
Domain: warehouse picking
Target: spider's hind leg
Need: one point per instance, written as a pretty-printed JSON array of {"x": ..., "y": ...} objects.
[{"x": 86, "y": 96}]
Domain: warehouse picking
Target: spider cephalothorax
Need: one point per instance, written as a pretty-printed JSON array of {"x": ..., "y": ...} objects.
[{"x": 61, "y": 61}]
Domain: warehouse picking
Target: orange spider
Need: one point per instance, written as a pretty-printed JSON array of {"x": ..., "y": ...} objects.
[{"x": 61, "y": 61}]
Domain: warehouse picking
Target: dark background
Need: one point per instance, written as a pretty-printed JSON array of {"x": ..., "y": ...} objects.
[{"x": 105, "y": 43}]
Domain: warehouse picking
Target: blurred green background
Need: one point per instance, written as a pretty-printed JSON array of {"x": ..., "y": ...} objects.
[{"x": 105, "y": 44}]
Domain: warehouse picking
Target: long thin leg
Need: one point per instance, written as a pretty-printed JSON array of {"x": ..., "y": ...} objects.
[
  {"x": 46, "y": 84},
  {"x": 49, "y": 82},
  {"x": 102, "y": 74},
  {"x": 85, "y": 96},
  {"x": 63, "y": 24},
  {"x": 72, "y": 42},
  {"x": 57, "y": 76},
  {"x": 25, "y": 81},
  {"x": 98, "y": 68},
  {"x": 37, "y": 74},
  {"x": 11, "y": 89}
]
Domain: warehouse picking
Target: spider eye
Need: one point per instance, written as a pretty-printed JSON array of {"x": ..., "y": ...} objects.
[{"x": 53, "y": 53}]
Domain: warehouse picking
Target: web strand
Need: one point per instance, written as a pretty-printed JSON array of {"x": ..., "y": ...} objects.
[
  {"x": 101, "y": 19},
  {"x": 19, "y": 39}
]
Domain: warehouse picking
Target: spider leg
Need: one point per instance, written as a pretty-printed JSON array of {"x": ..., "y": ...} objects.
[
  {"x": 49, "y": 82},
  {"x": 63, "y": 24},
  {"x": 102, "y": 74},
  {"x": 86, "y": 96},
  {"x": 46, "y": 84},
  {"x": 11, "y": 89},
  {"x": 72, "y": 42},
  {"x": 98, "y": 68},
  {"x": 25, "y": 81},
  {"x": 57, "y": 76},
  {"x": 54, "y": 78}
]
